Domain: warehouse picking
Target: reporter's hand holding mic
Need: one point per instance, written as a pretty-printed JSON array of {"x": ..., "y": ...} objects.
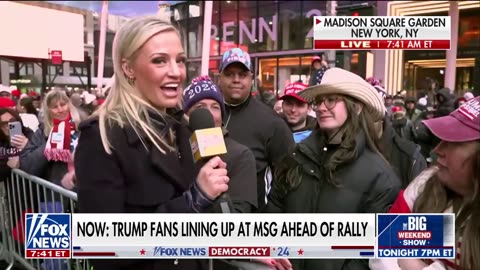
[
  {"x": 207, "y": 144},
  {"x": 212, "y": 178}
]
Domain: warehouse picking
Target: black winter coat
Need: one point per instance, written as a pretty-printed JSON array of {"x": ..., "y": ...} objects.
[
  {"x": 368, "y": 185},
  {"x": 135, "y": 179},
  {"x": 259, "y": 128}
]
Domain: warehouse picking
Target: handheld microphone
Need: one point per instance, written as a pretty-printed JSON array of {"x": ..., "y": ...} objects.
[{"x": 206, "y": 142}]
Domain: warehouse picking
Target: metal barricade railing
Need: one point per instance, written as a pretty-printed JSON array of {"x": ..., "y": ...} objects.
[{"x": 24, "y": 193}]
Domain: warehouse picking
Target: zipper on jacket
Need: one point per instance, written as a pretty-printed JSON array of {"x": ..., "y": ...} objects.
[
  {"x": 411, "y": 172},
  {"x": 228, "y": 119}
]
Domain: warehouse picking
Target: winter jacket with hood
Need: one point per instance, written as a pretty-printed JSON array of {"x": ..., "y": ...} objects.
[
  {"x": 367, "y": 185},
  {"x": 445, "y": 106}
]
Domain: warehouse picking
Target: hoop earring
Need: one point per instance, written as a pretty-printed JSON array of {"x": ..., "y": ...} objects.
[{"x": 131, "y": 80}]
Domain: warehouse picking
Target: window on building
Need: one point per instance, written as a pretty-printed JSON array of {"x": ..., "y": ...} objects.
[
  {"x": 193, "y": 70},
  {"x": 180, "y": 11},
  {"x": 195, "y": 30},
  {"x": 229, "y": 25},
  {"x": 267, "y": 26},
  {"x": 11, "y": 68},
  {"x": 52, "y": 70},
  {"x": 469, "y": 31},
  {"x": 78, "y": 69},
  {"x": 215, "y": 34},
  {"x": 290, "y": 21},
  {"x": 22, "y": 70},
  {"x": 195, "y": 9},
  {"x": 29, "y": 69},
  {"x": 310, "y": 9},
  {"x": 248, "y": 25}
]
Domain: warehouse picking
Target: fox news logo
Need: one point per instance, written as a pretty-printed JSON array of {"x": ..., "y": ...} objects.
[{"x": 47, "y": 232}]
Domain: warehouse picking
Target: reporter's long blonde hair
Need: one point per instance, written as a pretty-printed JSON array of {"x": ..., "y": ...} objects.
[{"x": 125, "y": 105}]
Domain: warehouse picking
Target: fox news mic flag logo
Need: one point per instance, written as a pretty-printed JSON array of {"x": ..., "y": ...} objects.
[
  {"x": 47, "y": 236},
  {"x": 382, "y": 32},
  {"x": 416, "y": 236}
]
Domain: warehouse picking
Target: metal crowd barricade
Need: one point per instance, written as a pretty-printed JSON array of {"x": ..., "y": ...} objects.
[{"x": 24, "y": 193}]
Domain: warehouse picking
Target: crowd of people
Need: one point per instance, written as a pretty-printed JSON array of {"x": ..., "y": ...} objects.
[{"x": 340, "y": 144}]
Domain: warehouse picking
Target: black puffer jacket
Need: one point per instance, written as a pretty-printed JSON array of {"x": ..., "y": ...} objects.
[
  {"x": 446, "y": 105},
  {"x": 368, "y": 185}
]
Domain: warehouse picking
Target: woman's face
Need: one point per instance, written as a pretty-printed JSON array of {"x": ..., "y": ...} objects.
[
  {"x": 331, "y": 112},
  {"x": 454, "y": 161},
  {"x": 159, "y": 69},
  {"x": 4, "y": 120},
  {"x": 59, "y": 109}
]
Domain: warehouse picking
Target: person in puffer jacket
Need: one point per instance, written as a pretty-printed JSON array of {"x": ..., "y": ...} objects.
[
  {"x": 452, "y": 185},
  {"x": 445, "y": 102},
  {"x": 339, "y": 167}
]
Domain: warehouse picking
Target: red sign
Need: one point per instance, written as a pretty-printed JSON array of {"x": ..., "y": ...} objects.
[
  {"x": 56, "y": 57},
  {"x": 382, "y": 44}
]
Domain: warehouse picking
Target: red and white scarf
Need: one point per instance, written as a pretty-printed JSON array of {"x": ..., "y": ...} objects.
[
  {"x": 58, "y": 146},
  {"x": 404, "y": 205}
]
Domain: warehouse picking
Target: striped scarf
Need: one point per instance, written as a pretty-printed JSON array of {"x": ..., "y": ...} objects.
[
  {"x": 404, "y": 204},
  {"x": 62, "y": 141}
]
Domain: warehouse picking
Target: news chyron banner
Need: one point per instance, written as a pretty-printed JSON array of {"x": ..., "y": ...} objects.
[
  {"x": 247, "y": 236},
  {"x": 416, "y": 236},
  {"x": 382, "y": 32},
  {"x": 200, "y": 236}
]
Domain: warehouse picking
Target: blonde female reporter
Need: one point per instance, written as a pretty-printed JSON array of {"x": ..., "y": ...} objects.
[{"x": 134, "y": 154}]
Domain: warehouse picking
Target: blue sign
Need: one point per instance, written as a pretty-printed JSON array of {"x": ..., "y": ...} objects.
[
  {"x": 416, "y": 235},
  {"x": 47, "y": 232}
]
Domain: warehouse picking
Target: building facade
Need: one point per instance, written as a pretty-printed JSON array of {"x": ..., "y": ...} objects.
[
  {"x": 27, "y": 73},
  {"x": 416, "y": 71},
  {"x": 278, "y": 35}
]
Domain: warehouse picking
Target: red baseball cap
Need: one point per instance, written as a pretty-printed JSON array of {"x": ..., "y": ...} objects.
[
  {"x": 292, "y": 90},
  {"x": 316, "y": 58},
  {"x": 6, "y": 102},
  {"x": 462, "y": 125}
]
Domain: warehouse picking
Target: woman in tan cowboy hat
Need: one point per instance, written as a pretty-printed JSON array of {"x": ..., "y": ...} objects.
[{"x": 339, "y": 167}]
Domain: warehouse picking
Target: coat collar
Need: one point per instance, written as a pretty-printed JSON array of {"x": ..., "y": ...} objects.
[
  {"x": 315, "y": 146},
  {"x": 177, "y": 166},
  {"x": 162, "y": 123}
]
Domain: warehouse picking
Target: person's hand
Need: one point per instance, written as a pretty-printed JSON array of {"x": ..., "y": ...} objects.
[
  {"x": 19, "y": 141},
  {"x": 411, "y": 264},
  {"x": 279, "y": 264},
  {"x": 68, "y": 180},
  {"x": 212, "y": 178},
  {"x": 13, "y": 162}
]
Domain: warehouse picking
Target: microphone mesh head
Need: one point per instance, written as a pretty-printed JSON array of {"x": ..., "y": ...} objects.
[{"x": 201, "y": 119}]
